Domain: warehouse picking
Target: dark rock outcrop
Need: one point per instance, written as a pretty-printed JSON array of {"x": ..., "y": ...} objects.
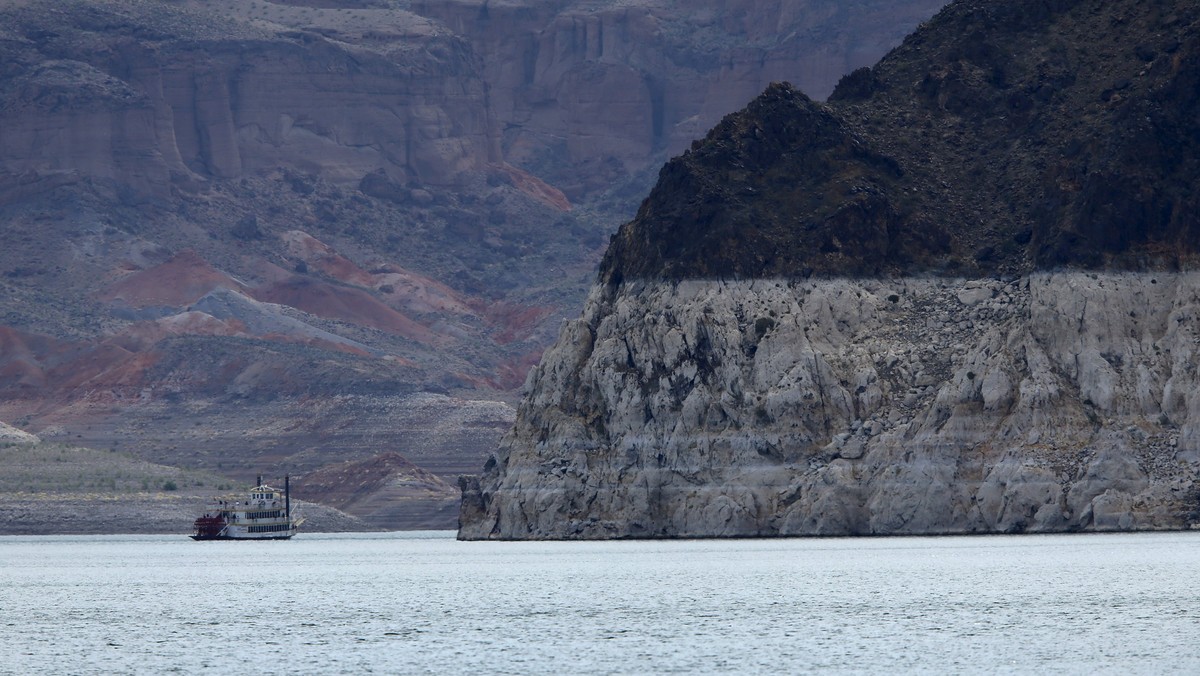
[
  {"x": 999, "y": 138},
  {"x": 782, "y": 188}
]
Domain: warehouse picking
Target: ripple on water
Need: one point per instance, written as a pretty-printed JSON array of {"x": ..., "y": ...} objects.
[{"x": 421, "y": 603}]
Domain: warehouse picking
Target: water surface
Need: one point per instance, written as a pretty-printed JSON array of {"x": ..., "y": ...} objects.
[{"x": 423, "y": 603}]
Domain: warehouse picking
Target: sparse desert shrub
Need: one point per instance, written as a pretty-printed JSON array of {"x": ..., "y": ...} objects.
[
  {"x": 762, "y": 325},
  {"x": 247, "y": 228}
]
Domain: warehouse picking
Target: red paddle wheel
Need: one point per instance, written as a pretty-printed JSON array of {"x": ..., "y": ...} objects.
[{"x": 209, "y": 527}]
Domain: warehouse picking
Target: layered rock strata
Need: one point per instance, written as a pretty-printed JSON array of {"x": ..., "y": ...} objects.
[
  {"x": 144, "y": 96},
  {"x": 586, "y": 91},
  {"x": 1058, "y": 401}
]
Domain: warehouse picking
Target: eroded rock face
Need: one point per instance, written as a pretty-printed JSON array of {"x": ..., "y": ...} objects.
[
  {"x": 1051, "y": 402},
  {"x": 138, "y": 97},
  {"x": 586, "y": 91}
]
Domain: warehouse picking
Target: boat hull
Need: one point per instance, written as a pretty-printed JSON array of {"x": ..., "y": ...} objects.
[{"x": 229, "y": 537}]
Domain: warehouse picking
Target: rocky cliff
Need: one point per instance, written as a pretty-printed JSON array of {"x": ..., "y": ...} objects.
[
  {"x": 143, "y": 96},
  {"x": 1054, "y": 401},
  {"x": 959, "y": 298}
]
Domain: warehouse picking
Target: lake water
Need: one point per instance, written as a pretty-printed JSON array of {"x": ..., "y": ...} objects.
[{"x": 423, "y": 603}]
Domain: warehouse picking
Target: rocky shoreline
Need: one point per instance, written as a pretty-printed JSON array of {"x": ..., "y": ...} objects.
[
  {"x": 139, "y": 514},
  {"x": 1053, "y": 402}
]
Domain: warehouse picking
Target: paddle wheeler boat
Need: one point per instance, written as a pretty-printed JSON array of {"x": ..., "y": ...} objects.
[{"x": 264, "y": 514}]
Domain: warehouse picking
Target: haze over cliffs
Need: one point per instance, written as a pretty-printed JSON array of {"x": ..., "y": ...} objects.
[
  {"x": 586, "y": 91},
  {"x": 258, "y": 237},
  {"x": 959, "y": 298}
]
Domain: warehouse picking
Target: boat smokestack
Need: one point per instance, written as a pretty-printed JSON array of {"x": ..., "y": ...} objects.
[
  {"x": 287, "y": 498},
  {"x": 259, "y": 480}
]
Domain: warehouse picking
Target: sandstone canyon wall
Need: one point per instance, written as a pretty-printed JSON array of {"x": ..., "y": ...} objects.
[
  {"x": 577, "y": 93},
  {"x": 137, "y": 97},
  {"x": 586, "y": 91}
]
